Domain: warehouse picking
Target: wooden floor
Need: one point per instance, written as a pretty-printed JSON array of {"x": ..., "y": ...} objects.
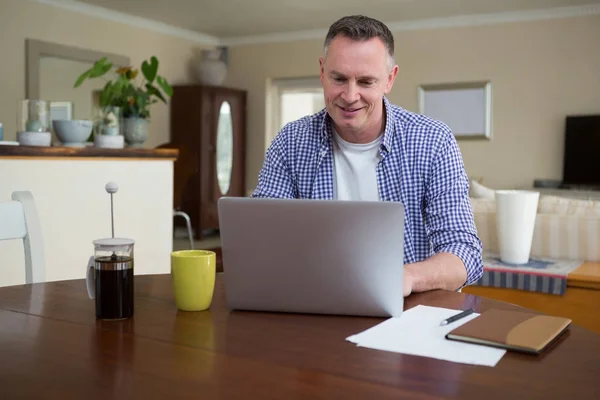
[{"x": 206, "y": 243}]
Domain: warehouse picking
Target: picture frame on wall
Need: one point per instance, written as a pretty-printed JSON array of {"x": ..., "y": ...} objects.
[
  {"x": 466, "y": 107},
  {"x": 61, "y": 110}
]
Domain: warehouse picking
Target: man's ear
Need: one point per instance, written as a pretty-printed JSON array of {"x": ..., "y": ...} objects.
[
  {"x": 391, "y": 78},
  {"x": 321, "y": 68}
]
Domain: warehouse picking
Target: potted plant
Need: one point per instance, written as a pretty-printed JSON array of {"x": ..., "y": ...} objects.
[{"x": 130, "y": 94}]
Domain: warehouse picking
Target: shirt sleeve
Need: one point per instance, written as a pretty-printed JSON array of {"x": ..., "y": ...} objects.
[
  {"x": 448, "y": 212},
  {"x": 275, "y": 180}
]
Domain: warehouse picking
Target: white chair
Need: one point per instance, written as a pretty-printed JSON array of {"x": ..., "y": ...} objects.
[
  {"x": 19, "y": 220},
  {"x": 177, "y": 213}
]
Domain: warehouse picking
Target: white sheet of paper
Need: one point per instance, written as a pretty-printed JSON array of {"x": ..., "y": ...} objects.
[{"x": 418, "y": 332}]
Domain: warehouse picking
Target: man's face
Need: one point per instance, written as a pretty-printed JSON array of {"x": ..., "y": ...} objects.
[{"x": 355, "y": 76}]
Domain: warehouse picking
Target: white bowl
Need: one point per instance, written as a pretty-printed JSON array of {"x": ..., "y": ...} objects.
[
  {"x": 73, "y": 133},
  {"x": 42, "y": 139}
]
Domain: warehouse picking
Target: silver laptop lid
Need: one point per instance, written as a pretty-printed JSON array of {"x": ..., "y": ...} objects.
[{"x": 313, "y": 256}]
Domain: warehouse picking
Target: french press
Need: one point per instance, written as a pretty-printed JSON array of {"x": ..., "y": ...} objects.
[{"x": 109, "y": 277}]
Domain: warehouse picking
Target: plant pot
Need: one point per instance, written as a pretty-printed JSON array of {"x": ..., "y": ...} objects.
[
  {"x": 135, "y": 131},
  {"x": 109, "y": 141}
]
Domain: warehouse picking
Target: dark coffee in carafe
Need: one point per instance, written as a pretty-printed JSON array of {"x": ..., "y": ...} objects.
[{"x": 113, "y": 277}]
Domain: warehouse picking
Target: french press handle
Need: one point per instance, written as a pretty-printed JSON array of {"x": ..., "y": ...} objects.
[{"x": 89, "y": 278}]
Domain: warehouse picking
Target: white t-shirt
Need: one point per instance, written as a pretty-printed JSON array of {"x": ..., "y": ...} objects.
[{"x": 355, "y": 169}]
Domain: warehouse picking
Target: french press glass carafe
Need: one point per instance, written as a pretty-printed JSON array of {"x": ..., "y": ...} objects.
[{"x": 109, "y": 278}]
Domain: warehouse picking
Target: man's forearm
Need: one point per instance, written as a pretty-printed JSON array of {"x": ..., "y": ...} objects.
[{"x": 440, "y": 271}]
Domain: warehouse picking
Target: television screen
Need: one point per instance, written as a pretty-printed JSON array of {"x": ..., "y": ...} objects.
[{"x": 581, "y": 165}]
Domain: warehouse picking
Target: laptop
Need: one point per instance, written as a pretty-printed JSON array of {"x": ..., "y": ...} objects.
[{"x": 313, "y": 256}]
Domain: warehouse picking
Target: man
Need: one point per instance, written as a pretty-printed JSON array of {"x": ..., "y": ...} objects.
[{"x": 361, "y": 147}]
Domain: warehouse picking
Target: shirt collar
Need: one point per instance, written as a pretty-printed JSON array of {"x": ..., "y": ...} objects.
[
  {"x": 388, "y": 134},
  {"x": 390, "y": 126}
]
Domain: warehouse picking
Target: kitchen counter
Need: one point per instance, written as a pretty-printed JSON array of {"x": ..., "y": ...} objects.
[
  {"x": 67, "y": 185},
  {"x": 85, "y": 152}
]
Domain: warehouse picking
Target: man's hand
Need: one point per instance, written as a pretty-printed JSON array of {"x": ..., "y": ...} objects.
[
  {"x": 407, "y": 282},
  {"x": 441, "y": 271}
]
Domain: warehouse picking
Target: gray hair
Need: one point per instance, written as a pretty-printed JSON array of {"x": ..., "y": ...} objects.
[{"x": 359, "y": 28}]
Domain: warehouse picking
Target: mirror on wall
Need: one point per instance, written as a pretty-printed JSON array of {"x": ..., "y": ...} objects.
[
  {"x": 51, "y": 72},
  {"x": 56, "y": 85},
  {"x": 224, "y": 147}
]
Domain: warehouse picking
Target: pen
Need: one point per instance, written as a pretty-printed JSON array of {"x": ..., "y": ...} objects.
[{"x": 457, "y": 316}]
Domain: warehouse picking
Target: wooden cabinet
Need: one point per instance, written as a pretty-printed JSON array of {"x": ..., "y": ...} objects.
[{"x": 208, "y": 126}]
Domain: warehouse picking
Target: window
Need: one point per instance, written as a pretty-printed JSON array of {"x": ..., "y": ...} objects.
[{"x": 292, "y": 99}]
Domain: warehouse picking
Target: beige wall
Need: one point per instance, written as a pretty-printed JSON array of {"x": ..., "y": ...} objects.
[
  {"x": 21, "y": 19},
  {"x": 541, "y": 71}
]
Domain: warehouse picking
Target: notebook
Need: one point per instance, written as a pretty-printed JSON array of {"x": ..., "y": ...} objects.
[{"x": 512, "y": 330}]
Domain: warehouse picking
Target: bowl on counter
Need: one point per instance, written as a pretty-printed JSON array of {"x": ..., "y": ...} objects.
[{"x": 73, "y": 133}]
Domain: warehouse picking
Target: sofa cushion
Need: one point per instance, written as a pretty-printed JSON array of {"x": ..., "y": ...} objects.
[
  {"x": 479, "y": 191},
  {"x": 483, "y": 205},
  {"x": 566, "y": 206},
  {"x": 570, "y": 230}
]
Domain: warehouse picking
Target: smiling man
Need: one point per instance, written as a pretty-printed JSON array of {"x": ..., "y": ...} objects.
[{"x": 362, "y": 147}]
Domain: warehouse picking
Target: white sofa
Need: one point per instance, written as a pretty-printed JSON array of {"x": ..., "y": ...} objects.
[{"x": 565, "y": 228}]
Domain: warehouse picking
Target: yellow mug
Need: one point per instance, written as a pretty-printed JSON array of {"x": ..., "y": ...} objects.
[{"x": 193, "y": 276}]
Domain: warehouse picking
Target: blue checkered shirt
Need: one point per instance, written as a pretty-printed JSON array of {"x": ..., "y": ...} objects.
[{"x": 421, "y": 166}]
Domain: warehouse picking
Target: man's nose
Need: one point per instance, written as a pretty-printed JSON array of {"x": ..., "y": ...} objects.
[{"x": 351, "y": 94}]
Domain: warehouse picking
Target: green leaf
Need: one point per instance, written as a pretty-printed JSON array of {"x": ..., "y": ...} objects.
[
  {"x": 100, "y": 70},
  {"x": 100, "y": 67},
  {"x": 164, "y": 85},
  {"x": 149, "y": 70},
  {"x": 154, "y": 91},
  {"x": 82, "y": 78},
  {"x": 107, "y": 95}
]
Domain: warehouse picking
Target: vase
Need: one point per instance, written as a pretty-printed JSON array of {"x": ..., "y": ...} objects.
[
  {"x": 211, "y": 70},
  {"x": 135, "y": 131},
  {"x": 108, "y": 122},
  {"x": 33, "y": 116},
  {"x": 516, "y": 212}
]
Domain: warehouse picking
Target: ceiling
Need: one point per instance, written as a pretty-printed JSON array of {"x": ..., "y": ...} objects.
[{"x": 228, "y": 19}]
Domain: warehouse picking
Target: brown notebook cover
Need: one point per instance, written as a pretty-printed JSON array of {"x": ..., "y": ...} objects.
[{"x": 512, "y": 330}]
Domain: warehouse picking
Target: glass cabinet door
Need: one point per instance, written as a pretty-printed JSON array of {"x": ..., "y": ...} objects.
[{"x": 224, "y": 147}]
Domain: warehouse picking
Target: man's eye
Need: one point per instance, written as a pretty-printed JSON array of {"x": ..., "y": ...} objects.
[
  {"x": 338, "y": 79},
  {"x": 366, "y": 83}
]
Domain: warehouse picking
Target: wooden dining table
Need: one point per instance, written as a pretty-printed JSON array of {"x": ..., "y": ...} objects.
[{"x": 52, "y": 347}]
